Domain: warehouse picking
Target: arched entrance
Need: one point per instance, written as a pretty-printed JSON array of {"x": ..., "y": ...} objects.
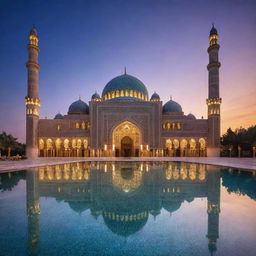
[
  {"x": 126, "y": 139},
  {"x": 126, "y": 146}
]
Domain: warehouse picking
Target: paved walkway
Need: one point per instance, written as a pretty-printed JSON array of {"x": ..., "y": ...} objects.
[{"x": 244, "y": 163}]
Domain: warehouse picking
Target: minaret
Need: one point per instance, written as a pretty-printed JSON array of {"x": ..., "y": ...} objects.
[
  {"x": 32, "y": 100},
  {"x": 214, "y": 100}
]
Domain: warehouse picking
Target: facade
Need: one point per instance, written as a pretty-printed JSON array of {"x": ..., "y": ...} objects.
[{"x": 123, "y": 121}]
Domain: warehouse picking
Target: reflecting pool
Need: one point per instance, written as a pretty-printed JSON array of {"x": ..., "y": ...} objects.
[{"x": 128, "y": 208}]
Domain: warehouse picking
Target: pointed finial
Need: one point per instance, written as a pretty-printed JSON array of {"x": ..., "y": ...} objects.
[
  {"x": 213, "y": 24},
  {"x": 79, "y": 97},
  {"x": 125, "y": 70},
  {"x": 170, "y": 97}
]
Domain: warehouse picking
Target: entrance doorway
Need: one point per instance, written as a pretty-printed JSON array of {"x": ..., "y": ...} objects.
[
  {"x": 126, "y": 139},
  {"x": 126, "y": 146}
]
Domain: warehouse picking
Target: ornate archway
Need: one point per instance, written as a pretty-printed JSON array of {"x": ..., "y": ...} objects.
[
  {"x": 126, "y": 139},
  {"x": 126, "y": 146}
]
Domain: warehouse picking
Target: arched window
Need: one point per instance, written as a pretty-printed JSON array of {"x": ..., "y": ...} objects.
[
  {"x": 176, "y": 143},
  {"x": 41, "y": 144},
  {"x": 58, "y": 143},
  {"x": 169, "y": 143},
  {"x": 202, "y": 143},
  {"x": 66, "y": 144},
  {"x": 192, "y": 143},
  {"x": 183, "y": 143},
  {"x": 74, "y": 143},
  {"x": 79, "y": 143},
  {"x": 49, "y": 144},
  {"x": 77, "y": 125},
  {"x": 85, "y": 143},
  {"x": 83, "y": 125}
]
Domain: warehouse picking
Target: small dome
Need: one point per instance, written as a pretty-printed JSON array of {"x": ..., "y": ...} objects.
[
  {"x": 33, "y": 32},
  {"x": 171, "y": 205},
  {"x": 125, "y": 83},
  {"x": 95, "y": 96},
  {"x": 155, "y": 97},
  {"x": 78, "y": 107},
  {"x": 59, "y": 116},
  {"x": 191, "y": 116},
  {"x": 172, "y": 106},
  {"x": 213, "y": 31},
  {"x": 79, "y": 206},
  {"x": 125, "y": 228}
]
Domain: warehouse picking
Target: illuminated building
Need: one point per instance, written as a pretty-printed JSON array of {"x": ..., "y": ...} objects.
[{"x": 123, "y": 121}]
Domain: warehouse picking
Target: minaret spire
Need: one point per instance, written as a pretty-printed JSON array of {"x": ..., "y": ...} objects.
[
  {"x": 32, "y": 100},
  {"x": 214, "y": 100}
]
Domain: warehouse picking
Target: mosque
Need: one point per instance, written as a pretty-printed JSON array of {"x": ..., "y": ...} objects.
[{"x": 124, "y": 121}]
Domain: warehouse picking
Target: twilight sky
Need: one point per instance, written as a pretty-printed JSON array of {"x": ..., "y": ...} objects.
[{"x": 84, "y": 44}]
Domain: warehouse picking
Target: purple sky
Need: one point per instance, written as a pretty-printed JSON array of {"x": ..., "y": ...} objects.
[{"x": 84, "y": 44}]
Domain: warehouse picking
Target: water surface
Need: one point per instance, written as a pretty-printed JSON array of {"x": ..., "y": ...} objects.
[{"x": 128, "y": 209}]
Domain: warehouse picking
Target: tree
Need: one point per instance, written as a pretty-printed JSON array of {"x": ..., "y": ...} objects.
[
  {"x": 8, "y": 144},
  {"x": 240, "y": 138}
]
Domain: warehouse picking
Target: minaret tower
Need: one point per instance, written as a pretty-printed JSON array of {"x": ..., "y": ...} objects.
[
  {"x": 32, "y": 100},
  {"x": 214, "y": 100}
]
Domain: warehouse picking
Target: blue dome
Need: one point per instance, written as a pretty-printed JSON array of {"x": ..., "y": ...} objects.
[
  {"x": 78, "y": 107},
  {"x": 125, "y": 82},
  {"x": 59, "y": 116},
  {"x": 191, "y": 116},
  {"x": 155, "y": 97},
  {"x": 172, "y": 106},
  {"x": 95, "y": 96}
]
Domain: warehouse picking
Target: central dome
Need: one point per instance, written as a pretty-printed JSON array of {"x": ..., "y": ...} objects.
[{"x": 125, "y": 87}]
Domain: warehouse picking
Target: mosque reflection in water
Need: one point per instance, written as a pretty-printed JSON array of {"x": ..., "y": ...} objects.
[{"x": 124, "y": 194}]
